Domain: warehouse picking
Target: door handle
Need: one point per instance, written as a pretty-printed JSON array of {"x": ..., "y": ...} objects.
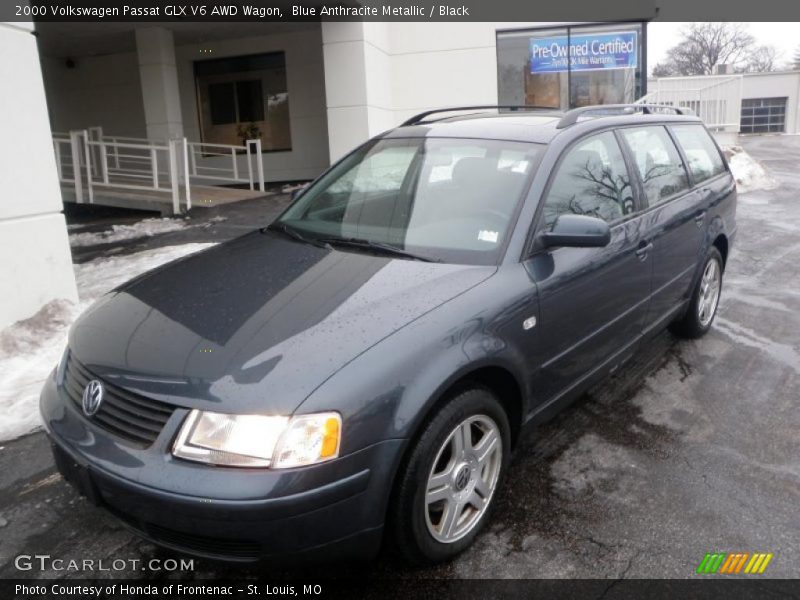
[
  {"x": 700, "y": 218},
  {"x": 643, "y": 249}
]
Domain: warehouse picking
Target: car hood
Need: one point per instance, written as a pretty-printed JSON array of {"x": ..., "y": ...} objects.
[{"x": 257, "y": 323}]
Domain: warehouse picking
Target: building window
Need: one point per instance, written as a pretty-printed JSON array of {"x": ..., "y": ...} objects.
[
  {"x": 763, "y": 115},
  {"x": 244, "y": 97},
  {"x": 567, "y": 67}
]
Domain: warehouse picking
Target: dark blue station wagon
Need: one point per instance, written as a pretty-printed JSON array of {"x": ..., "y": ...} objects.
[{"x": 361, "y": 370}]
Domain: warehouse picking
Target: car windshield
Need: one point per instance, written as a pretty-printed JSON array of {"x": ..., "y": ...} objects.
[{"x": 439, "y": 199}]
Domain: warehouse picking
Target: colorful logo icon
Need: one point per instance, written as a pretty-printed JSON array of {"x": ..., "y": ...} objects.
[{"x": 734, "y": 563}]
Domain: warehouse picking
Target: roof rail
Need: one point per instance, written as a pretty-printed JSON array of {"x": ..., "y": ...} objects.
[
  {"x": 619, "y": 109},
  {"x": 418, "y": 118}
]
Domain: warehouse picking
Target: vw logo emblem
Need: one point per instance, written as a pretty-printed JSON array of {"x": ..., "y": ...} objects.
[
  {"x": 462, "y": 478},
  {"x": 92, "y": 397}
]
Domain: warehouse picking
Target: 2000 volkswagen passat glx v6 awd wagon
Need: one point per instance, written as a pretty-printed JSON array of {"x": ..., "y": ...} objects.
[{"x": 362, "y": 369}]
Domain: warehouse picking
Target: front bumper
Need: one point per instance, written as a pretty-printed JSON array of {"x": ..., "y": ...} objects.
[{"x": 332, "y": 509}]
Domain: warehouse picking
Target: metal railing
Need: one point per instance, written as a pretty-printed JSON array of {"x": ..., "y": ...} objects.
[
  {"x": 208, "y": 161},
  {"x": 220, "y": 162},
  {"x": 717, "y": 99},
  {"x": 62, "y": 146},
  {"x": 131, "y": 166},
  {"x": 87, "y": 159}
]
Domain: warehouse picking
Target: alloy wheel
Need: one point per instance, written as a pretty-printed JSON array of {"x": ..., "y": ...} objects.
[
  {"x": 710, "y": 286},
  {"x": 463, "y": 478}
]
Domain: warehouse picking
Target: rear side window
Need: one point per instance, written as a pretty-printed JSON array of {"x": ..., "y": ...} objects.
[
  {"x": 658, "y": 162},
  {"x": 591, "y": 180},
  {"x": 700, "y": 150}
]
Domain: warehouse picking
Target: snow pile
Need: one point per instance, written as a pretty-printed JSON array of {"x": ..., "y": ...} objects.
[
  {"x": 288, "y": 189},
  {"x": 30, "y": 349},
  {"x": 212, "y": 220},
  {"x": 144, "y": 228},
  {"x": 747, "y": 171}
]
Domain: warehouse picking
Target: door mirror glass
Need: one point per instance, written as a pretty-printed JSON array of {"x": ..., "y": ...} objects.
[{"x": 577, "y": 231}]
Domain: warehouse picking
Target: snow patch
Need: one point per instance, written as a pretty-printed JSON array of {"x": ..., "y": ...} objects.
[
  {"x": 748, "y": 172},
  {"x": 288, "y": 189},
  {"x": 30, "y": 349},
  {"x": 117, "y": 233},
  {"x": 212, "y": 220}
]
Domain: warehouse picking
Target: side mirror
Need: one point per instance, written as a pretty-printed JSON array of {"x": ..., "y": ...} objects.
[{"x": 577, "y": 231}]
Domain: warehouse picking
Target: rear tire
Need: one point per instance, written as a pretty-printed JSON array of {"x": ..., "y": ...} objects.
[
  {"x": 705, "y": 299},
  {"x": 447, "y": 486}
]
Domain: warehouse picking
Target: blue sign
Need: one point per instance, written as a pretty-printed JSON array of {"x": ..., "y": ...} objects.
[{"x": 587, "y": 52}]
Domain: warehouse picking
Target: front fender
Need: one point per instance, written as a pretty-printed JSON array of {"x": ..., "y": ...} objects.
[{"x": 387, "y": 392}]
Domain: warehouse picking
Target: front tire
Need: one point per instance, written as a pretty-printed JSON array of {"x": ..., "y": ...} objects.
[
  {"x": 447, "y": 486},
  {"x": 705, "y": 299}
]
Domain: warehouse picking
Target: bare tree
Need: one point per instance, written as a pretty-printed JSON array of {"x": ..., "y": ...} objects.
[
  {"x": 664, "y": 69},
  {"x": 796, "y": 58},
  {"x": 761, "y": 60},
  {"x": 703, "y": 46}
]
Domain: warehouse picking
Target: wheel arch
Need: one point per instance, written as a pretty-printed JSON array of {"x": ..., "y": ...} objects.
[
  {"x": 497, "y": 378},
  {"x": 717, "y": 237},
  {"x": 721, "y": 243},
  {"x": 494, "y": 377}
]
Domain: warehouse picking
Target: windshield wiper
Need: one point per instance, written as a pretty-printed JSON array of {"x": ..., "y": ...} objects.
[
  {"x": 296, "y": 235},
  {"x": 378, "y": 247}
]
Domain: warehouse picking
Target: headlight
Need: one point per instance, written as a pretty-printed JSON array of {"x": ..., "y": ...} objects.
[
  {"x": 259, "y": 440},
  {"x": 309, "y": 439}
]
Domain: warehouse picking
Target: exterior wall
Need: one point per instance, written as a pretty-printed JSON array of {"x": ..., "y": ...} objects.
[
  {"x": 777, "y": 84},
  {"x": 784, "y": 84},
  {"x": 36, "y": 264},
  {"x": 155, "y": 48},
  {"x": 377, "y": 75},
  {"x": 306, "y": 88},
  {"x": 347, "y": 81},
  {"x": 99, "y": 90}
]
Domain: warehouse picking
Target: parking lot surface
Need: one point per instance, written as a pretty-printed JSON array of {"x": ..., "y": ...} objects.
[{"x": 692, "y": 449}]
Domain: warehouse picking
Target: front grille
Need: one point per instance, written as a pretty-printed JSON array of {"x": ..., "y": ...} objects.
[{"x": 129, "y": 416}]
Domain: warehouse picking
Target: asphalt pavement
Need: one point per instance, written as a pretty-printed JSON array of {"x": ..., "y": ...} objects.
[{"x": 692, "y": 449}]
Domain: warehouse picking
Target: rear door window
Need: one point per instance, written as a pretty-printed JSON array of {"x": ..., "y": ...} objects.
[
  {"x": 700, "y": 150},
  {"x": 658, "y": 162},
  {"x": 593, "y": 180}
]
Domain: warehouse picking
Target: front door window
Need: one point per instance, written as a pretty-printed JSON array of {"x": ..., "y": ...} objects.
[{"x": 593, "y": 180}]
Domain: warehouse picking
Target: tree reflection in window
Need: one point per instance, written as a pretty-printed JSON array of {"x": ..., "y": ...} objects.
[
  {"x": 657, "y": 161},
  {"x": 591, "y": 180}
]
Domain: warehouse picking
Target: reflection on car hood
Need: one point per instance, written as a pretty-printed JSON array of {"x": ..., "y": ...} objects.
[{"x": 256, "y": 324}]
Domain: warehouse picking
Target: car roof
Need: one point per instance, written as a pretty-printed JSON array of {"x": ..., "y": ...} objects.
[{"x": 538, "y": 126}]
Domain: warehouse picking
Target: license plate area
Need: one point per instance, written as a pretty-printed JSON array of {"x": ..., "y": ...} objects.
[{"x": 76, "y": 475}]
